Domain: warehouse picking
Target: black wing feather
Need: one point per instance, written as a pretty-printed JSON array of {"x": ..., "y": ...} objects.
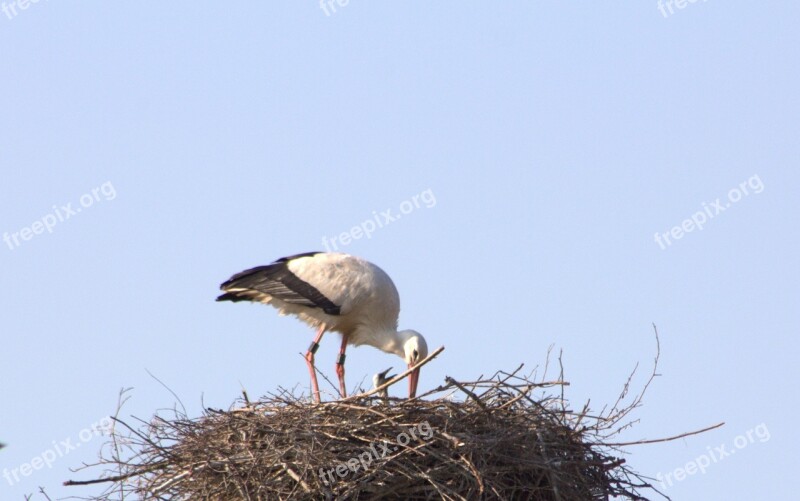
[{"x": 279, "y": 282}]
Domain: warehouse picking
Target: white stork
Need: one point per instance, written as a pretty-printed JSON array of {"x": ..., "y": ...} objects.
[{"x": 333, "y": 292}]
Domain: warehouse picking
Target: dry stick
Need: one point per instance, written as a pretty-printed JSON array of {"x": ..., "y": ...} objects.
[
  {"x": 547, "y": 455},
  {"x": 395, "y": 379},
  {"x": 640, "y": 397},
  {"x": 439, "y": 389},
  {"x": 523, "y": 393},
  {"x": 296, "y": 477},
  {"x": 668, "y": 439},
  {"x": 461, "y": 387},
  {"x": 116, "y": 454},
  {"x": 168, "y": 389},
  {"x": 117, "y": 478},
  {"x": 475, "y": 473},
  {"x": 171, "y": 481},
  {"x": 508, "y": 375},
  {"x": 135, "y": 432}
]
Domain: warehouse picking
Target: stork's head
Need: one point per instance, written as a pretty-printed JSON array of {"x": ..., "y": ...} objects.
[{"x": 415, "y": 349}]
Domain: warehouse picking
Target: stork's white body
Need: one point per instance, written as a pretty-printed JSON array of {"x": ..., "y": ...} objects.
[
  {"x": 368, "y": 300},
  {"x": 333, "y": 292}
]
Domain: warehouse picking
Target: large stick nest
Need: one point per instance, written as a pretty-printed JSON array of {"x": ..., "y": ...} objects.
[{"x": 504, "y": 437}]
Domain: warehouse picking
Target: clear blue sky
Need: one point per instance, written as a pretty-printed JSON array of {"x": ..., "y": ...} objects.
[{"x": 552, "y": 141}]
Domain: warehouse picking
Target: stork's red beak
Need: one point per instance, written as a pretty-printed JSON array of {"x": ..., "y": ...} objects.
[{"x": 413, "y": 379}]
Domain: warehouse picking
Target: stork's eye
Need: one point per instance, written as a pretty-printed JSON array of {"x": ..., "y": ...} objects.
[{"x": 416, "y": 354}]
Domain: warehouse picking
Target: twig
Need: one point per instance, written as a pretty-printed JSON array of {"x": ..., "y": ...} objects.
[
  {"x": 667, "y": 439},
  {"x": 461, "y": 387}
]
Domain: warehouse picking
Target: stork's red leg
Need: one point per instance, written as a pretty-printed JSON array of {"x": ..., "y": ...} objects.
[
  {"x": 310, "y": 361},
  {"x": 340, "y": 366}
]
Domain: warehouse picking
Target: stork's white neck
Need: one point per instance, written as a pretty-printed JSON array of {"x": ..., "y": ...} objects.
[
  {"x": 395, "y": 342},
  {"x": 387, "y": 340}
]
